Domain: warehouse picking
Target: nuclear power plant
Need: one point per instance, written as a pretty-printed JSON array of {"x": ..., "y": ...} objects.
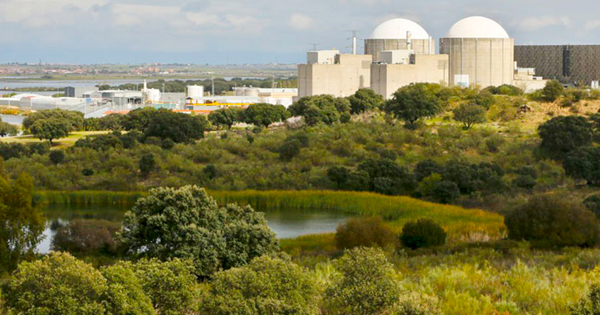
[{"x": 475, "y": 52}]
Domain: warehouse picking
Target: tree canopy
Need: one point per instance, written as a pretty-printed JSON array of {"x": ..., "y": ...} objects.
[
  {"x": 563, "y": 134},
  {"x": 469, "y": 114},
  {"x": 187, "y": 223},
  {"x": 21, "y": 224},
  {"x": 413, "y": 102},
  {"x": 364, "y": 100},
  {"x": 74, "y": 119},
  {"x": 50, "y": 129},
  {"x": 265, "y": 114}
]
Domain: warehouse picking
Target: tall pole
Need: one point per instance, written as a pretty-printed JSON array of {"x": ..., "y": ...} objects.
[
  {"x": 213, "y": 86},
  {"x": 354, "y": 41}
]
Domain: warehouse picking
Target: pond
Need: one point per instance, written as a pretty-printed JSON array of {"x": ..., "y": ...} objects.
[{"x": 285, "y": 223}]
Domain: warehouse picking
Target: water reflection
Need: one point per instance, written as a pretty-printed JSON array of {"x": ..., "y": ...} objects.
[{"x": 285, "y": 223}]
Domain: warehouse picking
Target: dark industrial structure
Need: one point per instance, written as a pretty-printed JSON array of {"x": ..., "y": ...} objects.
[{"x": 572, "y": 64}]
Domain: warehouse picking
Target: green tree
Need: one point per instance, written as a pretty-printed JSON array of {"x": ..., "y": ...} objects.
[
  {"x": 289, "y": 149},
  {"x": 57, "y": 156},
  {"x": 563, "y": 134},
  {"x": 338, "y": 175},
  {"x": 139, "y": 119},
  {"x": 171, "y": 285},
  {"x": 265, "y": 114},
  {"x": 50, "y": 129},
  {"x": 413, "y": 102},
  {"x": 367, "y": 284},
  {"x": 584, "y": 163},
  {"x": 226, "y": 117},
  {"x": 111, "y": 122},
  {"x": 469, "y": 114},
  {"x": 180, "y": 128},
  {"x": 21, "y": 224},
  {"x": 553, "y": 90},
  {"x": 147, "y": 164},
  {"x": 422, "y": 233},
  {"x": 266, "y": 286},
  {"x": 74, "y": 119},
  {"x": 365, "y": 100},
  {"x": 125, "y": 294},
  {"x": 187, "y": 223},
  {"x": 593, "y": 204},
  {"x": 58, "y": 284},
  {"x": 7, "y": 129},
  {"x": 552, "y": 220}
]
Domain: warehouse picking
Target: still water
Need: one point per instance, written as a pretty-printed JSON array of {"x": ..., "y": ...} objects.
[{"x": 285, "y": 223}]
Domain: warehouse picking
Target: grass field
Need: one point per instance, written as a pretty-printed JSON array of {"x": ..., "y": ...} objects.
[{"x": 64, "y": 142}]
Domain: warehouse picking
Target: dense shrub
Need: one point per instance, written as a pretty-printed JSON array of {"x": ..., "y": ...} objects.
[
  {"x": 265, "y": 286},
  {"x": 364, "y": 232},
  {"x": 593, "y": 204},
  {"x": 584, "y": 163},
  {"x": 18, "y": 150},
  {"x": 553, "y": 90},
  {"x": 147, "y": 164},
  {"x": 565, "y": 133},
  {"x": 338, "y": 175},
  {"x": 445, "y": 192},
  {"x": 422, "y": 233},
  {"x": 86, "y": 236},
  {"x": 265, "y": 114},
  {"x": 551, "y": 220},
  {"x": 589, "y": 304},
  {"x": 57, "y": 156},
  {"x": 367, "y": 284}
]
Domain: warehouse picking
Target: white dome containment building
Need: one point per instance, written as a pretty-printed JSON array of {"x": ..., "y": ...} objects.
[
  {"x": 399, "y": 34},
  {"x": 480, "y": 53}
]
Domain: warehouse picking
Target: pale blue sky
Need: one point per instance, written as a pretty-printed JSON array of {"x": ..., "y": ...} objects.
[{"x": 257, "y": 31}]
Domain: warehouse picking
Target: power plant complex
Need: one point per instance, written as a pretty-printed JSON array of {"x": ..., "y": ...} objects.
[{"x": 476, "y": 51}]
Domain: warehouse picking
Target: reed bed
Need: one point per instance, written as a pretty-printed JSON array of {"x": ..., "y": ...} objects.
[{"x": 460, "y": 223}]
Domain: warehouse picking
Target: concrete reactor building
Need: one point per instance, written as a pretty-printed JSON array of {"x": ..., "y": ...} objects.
[
  {"x": 480, "y": 53},
  {"x": 399, "y": 34}
]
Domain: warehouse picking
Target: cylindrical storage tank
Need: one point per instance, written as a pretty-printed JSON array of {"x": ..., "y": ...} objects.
[
  {"x": 399, "y": 34},
  {"x": 153, "y": 95},
  {"x": 480, "y": 53},
  {"x": 195, "y": 91},
  {"x": 252, "y": 92}
]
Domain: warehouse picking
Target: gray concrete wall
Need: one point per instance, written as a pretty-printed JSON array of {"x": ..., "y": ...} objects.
[
  {"x": 387, "y": 79},
  {"x": 486, "y": 61}
]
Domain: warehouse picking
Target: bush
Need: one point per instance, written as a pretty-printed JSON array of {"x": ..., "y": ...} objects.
[
  {"x": 553, "y": 90},
  {"x": 524, "y": 182},
  {"x": 565, "y": 133},
  {"x": 364, "y": 232},
  {"x": 445, "y": 192},
  {"x": 417, "y": 304},
  {"x": 551, "y": 220},
  {"x": 470, "y": 114},
  {"x": 57, "y": 156},
  {"x": 86, "y": 236},
  {"x": 422, "y": 233},
  {"x": 589, "y": 304},
  {"x": 265, "y": 286},
  {"x": 147, "y": 164},
  {"x": 593, "y": 204},
  {"x": 367, "y": 284},
  {"x": 289, "y": 150}
]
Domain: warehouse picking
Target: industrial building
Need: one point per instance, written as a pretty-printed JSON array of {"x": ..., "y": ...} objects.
[
  {"x": 476, "y": 51},
  {"x": 399, "y": 34},
  {"x": 570, "y": 64},
  {"x": 396, "y": 71},
  {"x": 329, "y": 72},
  {"x": 480, "y": 52}
]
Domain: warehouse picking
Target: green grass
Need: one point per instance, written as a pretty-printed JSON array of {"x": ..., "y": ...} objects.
[{"x": 64, "y": 142}]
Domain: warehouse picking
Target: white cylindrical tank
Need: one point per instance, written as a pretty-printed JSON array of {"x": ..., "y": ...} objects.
[
  {"x": 252, "y": 92},
  {"x": 195, "y": 91},
  {"x": 480, "y": 53},
  {"x": 153, "y": 95}
]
